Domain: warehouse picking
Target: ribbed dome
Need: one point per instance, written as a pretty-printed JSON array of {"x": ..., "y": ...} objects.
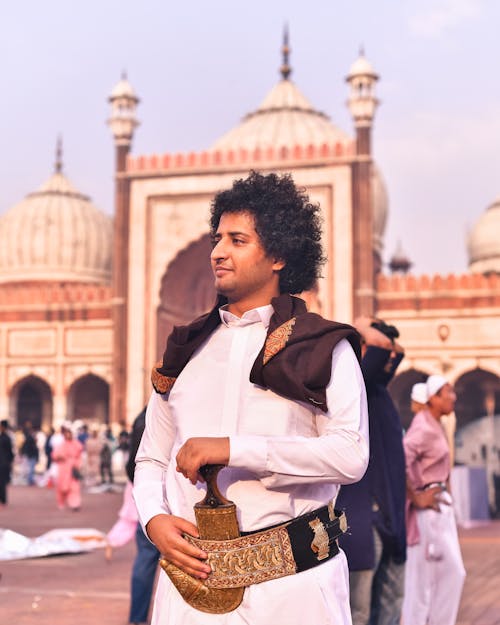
[
  {"x": 55, "y": 234},
  {"x": 484, "y": 242},
  {"x": 285, "y": 118}
]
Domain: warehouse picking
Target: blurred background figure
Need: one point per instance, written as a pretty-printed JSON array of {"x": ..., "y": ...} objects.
[
  {"x": 121, "y": 454},
  {"x": 146, "y": 559},
  {"x": 375, "y": 506},
  {"x": 435, "y": 572},
  {"x": 105, "y": 457},
  {"x": 125, "y": 527},
  {"x": 6, "y": 460},
  {"x": 29, "y": 453},
  {"x": 93, "y": 448},
  {"x": 49, "y": 448},
  {"x": 67, "y": 455}
]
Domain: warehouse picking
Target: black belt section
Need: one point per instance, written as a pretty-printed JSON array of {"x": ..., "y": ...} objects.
[{"x": 301, "y": 536}]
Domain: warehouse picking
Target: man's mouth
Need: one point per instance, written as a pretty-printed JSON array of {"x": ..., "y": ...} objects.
[{"x": 221, "y": 271}]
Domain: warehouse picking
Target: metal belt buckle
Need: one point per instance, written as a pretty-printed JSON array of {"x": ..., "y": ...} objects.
[{"x": 321, "y": 543}]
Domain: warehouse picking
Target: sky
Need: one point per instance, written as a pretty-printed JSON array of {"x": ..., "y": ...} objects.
[{"x": 199, "y": 67}]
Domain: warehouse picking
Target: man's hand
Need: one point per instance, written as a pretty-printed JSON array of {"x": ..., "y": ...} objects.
[
  {"x": 430, "y": 498},
  {"x": 199, "y": 451},
  {"x": 165, "y": 530}
]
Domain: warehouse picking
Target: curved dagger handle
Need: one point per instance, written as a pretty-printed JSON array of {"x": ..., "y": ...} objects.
[{"x": 214, "y": 498}]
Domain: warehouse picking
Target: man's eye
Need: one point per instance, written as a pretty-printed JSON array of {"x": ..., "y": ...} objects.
[{"x": 238, "y": 241}]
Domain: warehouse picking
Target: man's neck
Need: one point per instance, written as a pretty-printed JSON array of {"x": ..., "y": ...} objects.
[{"x": 240, "y": 308}]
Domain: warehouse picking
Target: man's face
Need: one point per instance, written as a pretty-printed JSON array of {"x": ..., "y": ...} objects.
[
  {"x": 243, "y": 272},
  {"x": 444, "y": 401}
]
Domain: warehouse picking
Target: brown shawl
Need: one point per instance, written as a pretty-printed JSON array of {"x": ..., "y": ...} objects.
[{"x": 295, "y": 360}]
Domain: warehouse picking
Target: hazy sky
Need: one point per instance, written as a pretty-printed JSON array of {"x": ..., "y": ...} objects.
[{"x": 199, "y": 66}]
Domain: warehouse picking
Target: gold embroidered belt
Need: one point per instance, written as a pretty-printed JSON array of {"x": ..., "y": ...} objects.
[
  {"x": 239, "y": 560},
  {"x": 288, "y": 548}
]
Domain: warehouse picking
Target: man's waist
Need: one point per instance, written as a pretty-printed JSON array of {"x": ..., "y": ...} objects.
[{"x": 283, "y": 549}]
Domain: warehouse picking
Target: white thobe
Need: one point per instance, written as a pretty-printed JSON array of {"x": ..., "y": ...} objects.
[{"x": 286, "y": 458}]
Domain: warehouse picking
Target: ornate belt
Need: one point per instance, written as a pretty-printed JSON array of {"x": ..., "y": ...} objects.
[{"x": 254, "y": 557}]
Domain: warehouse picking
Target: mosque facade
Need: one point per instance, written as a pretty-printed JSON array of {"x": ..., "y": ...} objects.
[{"x": 86, "y": 303}]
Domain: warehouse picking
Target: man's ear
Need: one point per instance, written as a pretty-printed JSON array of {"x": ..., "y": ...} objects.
[{"x": 278, "y": 265}]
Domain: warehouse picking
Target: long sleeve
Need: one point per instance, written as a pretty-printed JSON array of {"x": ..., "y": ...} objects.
[
  {"x": 339, "y": 452},
  {"x": 152, "y": 460}
]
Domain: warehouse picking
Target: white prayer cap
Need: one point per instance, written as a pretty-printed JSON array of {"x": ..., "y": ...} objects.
[
  {"x": 434, "y": 384},
  {"x": 419, "y": 393}
]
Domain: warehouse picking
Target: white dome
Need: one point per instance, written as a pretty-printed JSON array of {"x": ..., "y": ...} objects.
[
  {"x": 123, "y": 89},
  {"x": 55, "y": 234},
  {"x": 484, "y": 242},
  {"x": 285, "y": 118},
  {"x": 361, "y": 67}
]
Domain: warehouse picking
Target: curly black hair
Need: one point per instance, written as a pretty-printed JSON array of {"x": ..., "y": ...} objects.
[{"x": 288, "y": 225}]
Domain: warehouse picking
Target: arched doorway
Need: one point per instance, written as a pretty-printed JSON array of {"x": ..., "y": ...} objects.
[
  {"x": 88, "y": 400},
  {"x": 400, "y": 390},
  {"x": 187, "y": 289},
  {"x": 478, "y": 394},
  {"x": 31, "y": 400},
  {"x": 478, "y": 427}
]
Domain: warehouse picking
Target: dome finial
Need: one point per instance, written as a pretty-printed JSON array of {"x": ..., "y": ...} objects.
[
  {"x": 285, "y": 69},
  {"x": 58, "y": 165}
]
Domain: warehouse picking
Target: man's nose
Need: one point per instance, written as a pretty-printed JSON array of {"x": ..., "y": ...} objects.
[{"x": 218, "y": 250}]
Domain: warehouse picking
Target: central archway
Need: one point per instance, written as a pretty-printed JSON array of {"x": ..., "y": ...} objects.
[{"x": 187, "y": 289}]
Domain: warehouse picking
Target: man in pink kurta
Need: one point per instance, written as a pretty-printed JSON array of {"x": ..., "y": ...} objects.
[
  {"x": 68, "y": 457},
  {"x": 434, "y": 568}
]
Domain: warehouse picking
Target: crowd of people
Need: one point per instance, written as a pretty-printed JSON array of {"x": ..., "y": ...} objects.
[
  {"x": 75, "y": 455},
  {"x": 297, "y": 409}
]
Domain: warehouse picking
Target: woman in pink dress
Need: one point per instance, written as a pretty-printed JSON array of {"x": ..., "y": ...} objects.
[{"x": 68, "y": 457}]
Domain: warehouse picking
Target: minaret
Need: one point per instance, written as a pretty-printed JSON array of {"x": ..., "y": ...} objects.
[
  {"x": 362, "y": 104},
  {"x": 122, "y": 122}
]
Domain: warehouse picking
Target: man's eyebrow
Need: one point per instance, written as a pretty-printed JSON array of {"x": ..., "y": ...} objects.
[{"x": 232, "y": 233}]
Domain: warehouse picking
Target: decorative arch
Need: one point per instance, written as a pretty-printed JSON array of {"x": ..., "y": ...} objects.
[
  {"x": 187, "y": 289},
  {"x": 88, "y": 399},
  {"x": 31, "y": 400},
  {"x": 400, "y": 390},
  {"x": 478, "y": 395}
]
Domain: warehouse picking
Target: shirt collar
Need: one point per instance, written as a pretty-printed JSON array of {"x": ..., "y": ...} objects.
[{"x": 262, "y": 314}]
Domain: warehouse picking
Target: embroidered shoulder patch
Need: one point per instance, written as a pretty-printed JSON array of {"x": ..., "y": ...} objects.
[
  {"x": 161, "y": 383},
  {"x": 277, "y": 340}
]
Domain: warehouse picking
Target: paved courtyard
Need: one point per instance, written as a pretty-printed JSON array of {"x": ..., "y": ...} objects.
[{"x": 83, "y": 589}]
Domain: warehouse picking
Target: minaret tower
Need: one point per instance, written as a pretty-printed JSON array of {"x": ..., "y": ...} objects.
[
  {"x": 122, "y": 122},
  {"x": 362, "y": 104}
]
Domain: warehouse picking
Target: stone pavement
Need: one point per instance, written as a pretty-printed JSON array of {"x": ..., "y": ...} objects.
[{"x": 84, "y": 589}]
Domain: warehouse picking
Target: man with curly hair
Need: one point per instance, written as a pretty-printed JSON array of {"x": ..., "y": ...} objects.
[{"x": 275, "y": 394}]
